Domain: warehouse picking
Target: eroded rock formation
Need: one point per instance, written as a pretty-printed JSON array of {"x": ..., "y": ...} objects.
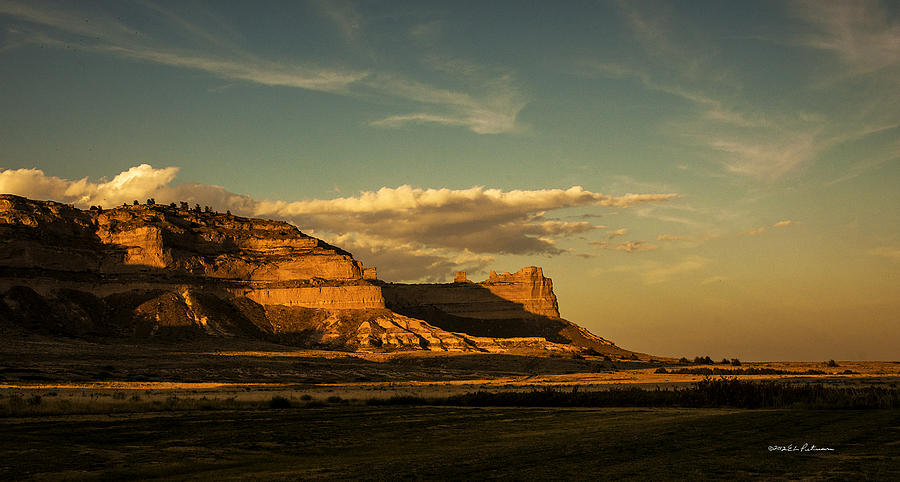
[{"x": 156, "y": 270}]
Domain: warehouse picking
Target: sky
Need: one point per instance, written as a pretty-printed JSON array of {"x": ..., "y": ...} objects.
[{"x": 697, "y": 178}]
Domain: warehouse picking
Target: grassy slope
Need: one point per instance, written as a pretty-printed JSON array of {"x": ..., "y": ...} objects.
[{"x": 448, "y": 442}]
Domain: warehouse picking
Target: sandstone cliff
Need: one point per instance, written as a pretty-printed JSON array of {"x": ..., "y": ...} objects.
[
  {"x": 155, "y": 270},
  {"x": 520, "y": 304}
]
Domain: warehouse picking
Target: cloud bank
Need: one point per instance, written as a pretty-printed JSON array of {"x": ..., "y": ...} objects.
[{"x": 412, "y": 233}]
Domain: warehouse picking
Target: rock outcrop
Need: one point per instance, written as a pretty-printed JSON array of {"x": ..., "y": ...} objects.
[
  {"x": 520, "y": 304},
  {"x": 157, "y": 270}
]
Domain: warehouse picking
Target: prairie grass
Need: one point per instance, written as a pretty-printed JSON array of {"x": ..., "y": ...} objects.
[{"x": 708, "y": 393}]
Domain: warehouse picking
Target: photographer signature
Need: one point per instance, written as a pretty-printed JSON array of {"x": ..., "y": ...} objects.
[{"x": 799, "y": 448}]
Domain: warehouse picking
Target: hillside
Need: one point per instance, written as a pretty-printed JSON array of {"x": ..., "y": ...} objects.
[{"x": 170, "y": 272}]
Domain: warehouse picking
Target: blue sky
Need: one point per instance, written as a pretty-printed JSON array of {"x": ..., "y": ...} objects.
[{"x": 697, "y": 177}]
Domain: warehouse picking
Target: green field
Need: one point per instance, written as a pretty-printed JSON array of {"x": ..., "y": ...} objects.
[{"x": 359, "y": 441}]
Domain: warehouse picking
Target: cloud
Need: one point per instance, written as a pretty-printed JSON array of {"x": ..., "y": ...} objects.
[
  {"x": 635, "y": 246},
  {"x": 411, "y": 261},
  {"x": 135, "y": 183},
  {"x": 479, "y": 219},
  {"x": 770, "y": 144},
  {"x": 345, "y": 16},
  {"x": 669, "y": 237},
  {"x": 492, "y": 110},
  {"x": 768, "y": 159},
  {"x": 864, "y": 34},
  {"x": 661, "y": 274},
  {"x": 488, "y": 106},
  {"x": 756, "y": 144},
  {"x": 757, "y": 231},
  {"x": 617, "y": 233},
  {"x": 627, "y": 246},
  {"x": 890, "y": 252},
  {"x": 781, "y": 224},
  {"x": 432, "y": 228}
]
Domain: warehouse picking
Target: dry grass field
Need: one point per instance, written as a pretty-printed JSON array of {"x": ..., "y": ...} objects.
[{"x": 83, "y": 410}]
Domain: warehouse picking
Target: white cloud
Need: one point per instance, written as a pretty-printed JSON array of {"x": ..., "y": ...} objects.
[
  {"x": 432, "y": 228},
  {"x": 782, "y": 224},
  {"x": 757, "y": 231}
]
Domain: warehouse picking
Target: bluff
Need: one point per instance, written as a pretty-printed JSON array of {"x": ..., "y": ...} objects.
[
  {"x": 161, "y": 270},
  {"x": 503, "y": 306}
]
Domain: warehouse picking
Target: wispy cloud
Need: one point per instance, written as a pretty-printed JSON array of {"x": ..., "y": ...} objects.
[
  {"x": 617, "y": 233},
  {"x": 635, "y": 246},
  {"x": 782, "y": 224},
  {"x": 667, "y": 272},
  {"x": 345, "y": 16},
  {"x": 864, "y": 34},
  {"x": 434, "y": 228},
  {"x": 490, "y": 107},
  {"x": 770, "y": 144},
  {"x": 890, "y": 252},
  {"x": 670, "y": 237}
]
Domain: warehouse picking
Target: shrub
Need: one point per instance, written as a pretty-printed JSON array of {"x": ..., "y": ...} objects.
[
  {"x": 725, "y": 361},
  {"x": 706, "y": 393},
  {"x": 335, "y": 399},
  {"x": 306, "y": 397},
  {"x": 279, "y": 402},
  {"x": 683, "y": 360},
  {"x": 832, "y": 363},
  {"x": 661, "y": 370},
  {"x": 735, "y": 362}
]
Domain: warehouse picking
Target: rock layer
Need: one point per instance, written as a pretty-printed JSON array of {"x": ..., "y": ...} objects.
[{"x": 155, "y": 270}]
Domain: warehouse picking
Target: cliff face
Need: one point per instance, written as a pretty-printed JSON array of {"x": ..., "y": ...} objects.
[
  {"x": 154, "y": 270},
  {"x": 146, "y": 238},
  {"x": 129, "y": 247},
  {"x": 524, "y": 293},
  {"x": 508, "y": 305}
]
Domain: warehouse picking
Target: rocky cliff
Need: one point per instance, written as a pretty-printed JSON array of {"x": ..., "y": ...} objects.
[
  {"x": 160, "y": 270},
  {"x": 506, "y": 305}
]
